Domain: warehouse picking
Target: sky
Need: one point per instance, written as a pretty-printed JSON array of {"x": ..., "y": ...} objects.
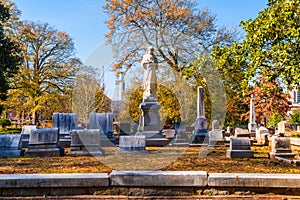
[{"x": 84, "y": 20}]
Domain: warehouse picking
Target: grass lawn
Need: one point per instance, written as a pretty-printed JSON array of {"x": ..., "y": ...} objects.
[{"x": 194, "y": 158}]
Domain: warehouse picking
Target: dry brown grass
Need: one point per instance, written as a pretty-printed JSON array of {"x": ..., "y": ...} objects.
[{"x": 195, "y": 158}]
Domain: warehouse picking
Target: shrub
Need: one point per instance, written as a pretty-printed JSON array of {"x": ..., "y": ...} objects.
[
  {"x": 295, "y": 117},
  {"x": 275, "y": 119},
  {"x": 4, "y": 123}
]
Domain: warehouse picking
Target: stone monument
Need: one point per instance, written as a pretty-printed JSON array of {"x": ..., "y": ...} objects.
[
  {"x": 200, "y": 134},
  {"x": 252, "y": 123},
  {"x": 25, "y": 135},
  {"x": 150, "y": 125},
  {"x": 262, "y": 135},
  {"x": 216, "y": 137},
  {"x": 86, "y": 143},
  {"x": 239, "y": 148},
  {"x": 10, "y": 146},
  {"x": 132, "y": 144},
  {"x": 281, "y": 147},
  {"x": 282, "y": 126},
  {"x": 181, "y": 138},
  {"x": 104, "y": 122},
  {"x": 66, "y": 122},
  {"x": 44, "y": 142}
]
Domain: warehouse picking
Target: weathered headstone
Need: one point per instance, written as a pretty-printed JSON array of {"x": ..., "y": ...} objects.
[
  {"x": 262, "y": 135},
  {"x": 239, "y": 148},
  {"x": 200, "y": 134},
  {"x": 66, "y": 122},
  {"x": 44, "y": 142},
  {"x": 85, "y": 143},
  {"x": 252, "y": 123},
  {"x": 104, "y": 122},
  {"x": 181, "y": 138},
  {"x": 281, "y": 147},
  {"x": 216, "y": 137},
  {"x": 10, "y": 146},
  {"x": 282, "y": 126},
  {"x": 239, "y": 132},
  {"x": 25, "y": 135},
  {"x": 132, "y": 144}
]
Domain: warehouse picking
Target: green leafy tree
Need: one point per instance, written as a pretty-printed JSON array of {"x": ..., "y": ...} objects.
[
  {"x": 272, "y": 42},
  {"x": 275, "y": 119},
  {"x": 9, "y": 51},
  {"x": 270, "y": 50},
  {"x": 47, "y": 70},
  {"x": 295, "y": 117}
]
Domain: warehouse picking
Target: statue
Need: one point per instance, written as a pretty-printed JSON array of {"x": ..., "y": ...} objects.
[{"x": 149, "y": 64}]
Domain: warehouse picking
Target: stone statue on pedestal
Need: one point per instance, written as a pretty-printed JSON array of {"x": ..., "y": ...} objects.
[{"x": 149, "y": 64}]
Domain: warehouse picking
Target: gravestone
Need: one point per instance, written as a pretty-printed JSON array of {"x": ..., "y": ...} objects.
[
  {"x": 240, "y": 132},
  {"x": 262, "y": 135},
  {"x": 229, "y": 131},
  {"x": 281, "y": 147},
  {"x": 10, "y": 146},
  {"x": 252, "y": 124},
  {"x": 200, "y": 135},
  {"x": 43, "y": 143},
  {"x": 181, "y": 137},
  {"x": 66, "y": 122},
  {"x": 86, "y": 143},
  {"x": 239, "y": 148},
  {"x": 104, "y": 122},
  {"x": 216, "y": 137},
  {"x": 282, "y": 126},
  {"x": 132, "y": 144},
  {"x": 25, "y": 135}
]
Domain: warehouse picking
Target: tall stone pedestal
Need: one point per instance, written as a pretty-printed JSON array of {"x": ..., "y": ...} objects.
[{"x": 150, "y": 125}]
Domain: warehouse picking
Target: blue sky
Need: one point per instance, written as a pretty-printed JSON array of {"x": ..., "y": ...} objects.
[{"x": 83, "y": 20}]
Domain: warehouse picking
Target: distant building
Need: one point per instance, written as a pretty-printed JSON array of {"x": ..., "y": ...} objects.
[{"x": 295, "y": 99}]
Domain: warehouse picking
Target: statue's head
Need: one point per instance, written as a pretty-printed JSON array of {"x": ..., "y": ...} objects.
[{"x": 150, "y": 50}]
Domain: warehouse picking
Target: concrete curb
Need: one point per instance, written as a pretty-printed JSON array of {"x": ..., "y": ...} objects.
[
  {"x": 254, "y": 180},
  {"x": 147, "y": 183},
  {"x": 53, "y": 180},
  {"x": 158, "y": 178}
]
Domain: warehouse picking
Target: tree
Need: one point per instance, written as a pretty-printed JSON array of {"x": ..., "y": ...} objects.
[
  {"x": 87, "y": 95},
  {"x": 177, "y": 29},
  {"x": 47, "y": 70},
  {"x": 272, "y": 42},
  {"x": 268, "y": 99},
  {"x": 270, "y": 50},
  {"x": 9, "y": 51}
]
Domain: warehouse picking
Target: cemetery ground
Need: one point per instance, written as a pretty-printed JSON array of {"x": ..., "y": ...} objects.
[{"x": 210, "y": 159}]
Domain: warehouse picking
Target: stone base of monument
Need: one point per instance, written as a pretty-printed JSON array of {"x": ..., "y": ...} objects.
[
  {"x": 44, "y": 151},
  {"x": 86, "y": 143},
  {"x": 200, "y": 137},
  {"x": 44, "y": 142},
  {"x": 272, "y": 155},
  {"x": 64, "y": 140},
  {"x": 239, "y": 154},
  {"x": 240, "y": 148},
  {"x": 132, "y": 145},
  {"x": 181, "y": 139}
]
